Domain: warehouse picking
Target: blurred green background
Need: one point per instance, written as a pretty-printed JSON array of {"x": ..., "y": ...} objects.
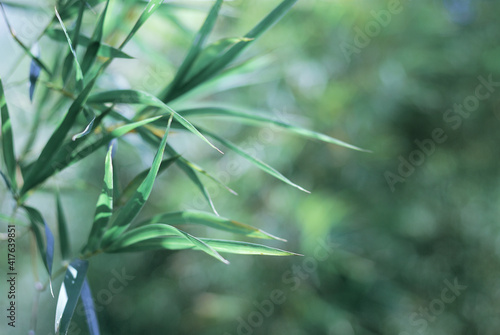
[{"x": 415, "y": 251}]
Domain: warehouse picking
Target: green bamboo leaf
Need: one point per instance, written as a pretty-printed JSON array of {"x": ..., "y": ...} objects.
[
  {"x": 223, "y": 246},
  {"x": 123, "y": 217},
  {"x": 63, "y": 230},
  {"x": 195, "y": 49},
  {"x": 231, "y": 112},
  {"x": 144, "y": 98},
  {"x": 69, "y": 294},
  {"x": 68, "y": 61},
  {"x": 56, "y": 138},
  {"x": 35, "y": 70},
  {"x": 182, "y": 163},
  {"x": 227, "y": 57},
  {"x": 150, "y": 8},
  {"x": 88, "y": 129},
  {"x": 134, "y": 183},
  {"x": 79, "y": 74},
  {"x": 156, "y": 230},
  {"x": 257, "y": 162},
  {"x": 45, "y": 244},
  {"x": 66, "y": 156},
  {"x": 104, "y": 207},
  {"x": 212, "y": 52},
  {"x": 209, "y": 220},
  {"x": 95, "y": 44},
  {"x": 7, "y": 140},
  {"x": 88, "y": 306},
  {"x": 104, "y": 51}
]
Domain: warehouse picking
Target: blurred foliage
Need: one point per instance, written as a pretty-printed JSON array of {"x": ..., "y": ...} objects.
[{"x": 376, "y": 260}]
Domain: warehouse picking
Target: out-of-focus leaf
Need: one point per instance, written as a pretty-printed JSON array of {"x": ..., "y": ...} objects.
[
  {"x": 212, "y": 52},
  {"x": 94, "y": 46},
  {"x": 56, "y": 138},
  {"x": 69, "y": 294},
  {"x": 104, "y": 51},
  {"x": 157, "y": 230},
  {"x": 134, "y": 183},
  {"x": 78, "y": 69},
  {"x": 7, "y": 140},
  {"x": 34, "y": 70},
  {"x": 150, "y": 8},
  {"x": 221, "y": 111},
  {"x": 257, "y": 162},
  {"x": 121, "y": 220},
  {"x": 21, "y": 44},
  {"x": 144, "y": 98},
  {"x": 194, "y": 51},
  {"x": 227, "y": 57},
  {"x": 63, "y": 230},
  {"x": 223, "y": 246},
  {"x": 104, "y": 207},
  {"x": 209, "y": 220},
  {"x": 68, "y": 61},
  {"x": 88, "y": 306},
  {"x": 45, "y": 245}
]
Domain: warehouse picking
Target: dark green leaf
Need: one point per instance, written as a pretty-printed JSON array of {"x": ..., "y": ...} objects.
[
  {"x": 63, "y": 231},
  {"x": 45, "y": 245}
]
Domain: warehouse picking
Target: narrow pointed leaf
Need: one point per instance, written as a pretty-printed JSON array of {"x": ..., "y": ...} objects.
[
  {"x": 104, "y": 207},
  {"x": 63, "y": 230},
  {"x": 152, "y": 139},
  {"x": 88, "y": 305},
  {"x": 212, "y": 52},
  {"x": 224, "y": 60},
  {"x": 7, "y": 140},
  {"x": 68, "y": 61},
  {"x": 138, "y": 97},
  {"x": 78, "y": 69},
  {"x": 94, "y": 46},
  {"x": 195, "y": 49},
  {"x": 221, "y": 111},
  {"x": 44, "y": 241},
  {"x": 150, "y": 8},
  {"x": 257, "y": 162},
  {"x": 209, "y": 220},
  {"x": 57, "y": 137},
  {"x": 69, "y": 294},
  {"x": 122, "y": 219},
  {"x": 134, "y": 183},
  {"x": 157, "y": 230},
  {"x": 222, "y": 246}
]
